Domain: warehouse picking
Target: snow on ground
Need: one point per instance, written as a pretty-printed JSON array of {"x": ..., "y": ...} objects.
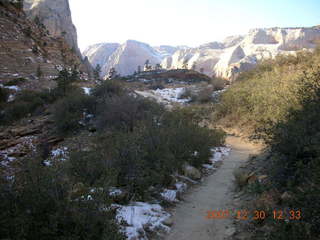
[
  {"x": 139, "y": 217},
  {"x": 87, "y": 90},
  {"x": 171, "y": 94},
  {"x": 169, "y": 195},
  {"x": 218, "y": 154},
  {"x": 25, "y": 144},
  {"x": 15, "y": 88},
  {"x": 115, "y": 192},
  {"x": 59, "y": 154}
]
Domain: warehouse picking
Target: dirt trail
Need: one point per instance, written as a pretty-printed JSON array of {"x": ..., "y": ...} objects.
[{"x": 215, "y": 193}]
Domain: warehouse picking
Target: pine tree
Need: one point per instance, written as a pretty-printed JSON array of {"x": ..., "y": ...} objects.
[
  {"x": 65, "y": 79},
  {"x": 97, "y": 72}
]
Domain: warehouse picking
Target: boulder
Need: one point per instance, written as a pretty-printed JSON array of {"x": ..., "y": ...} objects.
[{"x": 191, "y": 172}]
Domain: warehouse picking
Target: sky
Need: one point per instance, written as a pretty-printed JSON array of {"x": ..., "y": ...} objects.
[{"x": 184, "y": 22}]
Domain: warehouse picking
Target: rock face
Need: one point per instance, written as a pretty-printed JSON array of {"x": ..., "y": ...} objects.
[
  {"x": 56, "y": 16},
  {"x": 29, "y": 52},
  {"x": 129, "y": 56},
  {"x": 100, "y": 53},
  {"x": 241, "y": 53},
  {"x": 224, "y": 59}
]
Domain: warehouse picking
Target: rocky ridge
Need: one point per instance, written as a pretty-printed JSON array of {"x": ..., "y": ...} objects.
[
  {"x": 222, "y": 59},
  {"x": 30, "y": 53}
]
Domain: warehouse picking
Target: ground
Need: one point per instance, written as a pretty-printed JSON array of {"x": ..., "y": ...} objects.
[{"x": 215, "y": 193}]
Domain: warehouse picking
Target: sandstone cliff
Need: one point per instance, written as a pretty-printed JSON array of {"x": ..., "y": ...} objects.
[
  {"x": 28, "y": 51},
  {"x": 240, "y": 53},
  {"x": 56, "y": 16}
]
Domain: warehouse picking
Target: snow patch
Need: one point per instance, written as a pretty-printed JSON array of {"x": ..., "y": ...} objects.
[
  {"x": 219, "y": 153},
  {"x": 87, "y": 90},
  {"x": 171, "y": 94},
  {"x": 61, "y": 153},
  {"x": 169, "y": 195},
  {"x": 139, "y": 217}
]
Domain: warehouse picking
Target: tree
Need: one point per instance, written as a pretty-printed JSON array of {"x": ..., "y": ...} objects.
[
  {"x": 65, "y": 79},
  {"x": 147, "y": 65},
  {"x": 185, "y": 64},
  {"x": 158, "y": 66},
  {"x": 97, "y": 72}
]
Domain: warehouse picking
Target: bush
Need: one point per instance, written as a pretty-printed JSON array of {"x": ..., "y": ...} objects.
[
  {"x": 280, "y": 99},
  {"x": 26, "y": 102},
  {"x": 15, "y": 82},
  {"x": 69, "y": 111},
  {"x": 36, "y": 205},
  {"x": 108, "y": 89},
  {"x": 218, "y": 83},
  {"x": 265, "y": 95},
  {"x": 4, "y": 94},
  {"x": 125, "y": 112},
  {"x": 203, "y": 96}
]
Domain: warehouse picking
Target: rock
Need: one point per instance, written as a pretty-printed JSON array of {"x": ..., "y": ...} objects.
[
  {"x": 56, "y": 16},
  {"x": 191, "y": 172},
  {"x": 286, "y": 196},
  {"x": 100, "y": 53},
  {"x": 168, "y": 221},
  {"x": 23, "y": 39},
  {"x": 230, "y": 231},
  {"x": 262, "y": 177},
  {"x": 223, "y": 59}
]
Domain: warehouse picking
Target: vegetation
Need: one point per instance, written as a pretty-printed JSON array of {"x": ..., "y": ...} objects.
[
  {"x": 280, "y": 100},
  {"x": 42, "y": 203}
]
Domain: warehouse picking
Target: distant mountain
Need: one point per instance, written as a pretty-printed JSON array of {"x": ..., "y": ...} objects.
[
  {"x": 222, "y": 59},
  {"x": 125, "y": 58},
  {"x": 100, "y": 53},
  {"x": 241, "y": 53}
]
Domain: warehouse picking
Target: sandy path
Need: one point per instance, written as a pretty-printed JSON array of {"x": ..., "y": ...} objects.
[{"x": 215, "y": 193}]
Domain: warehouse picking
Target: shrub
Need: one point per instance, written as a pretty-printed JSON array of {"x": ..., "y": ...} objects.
[
  {"x": 15, "y": 82},
  {"x": 203, "y": 96},
  {"x": 69, "y": 111},
  {"x": 26, "y": 102},
  {"x": 108, "y": 89},
  {"x": 125, "y": 112},
  {"x": 92, "y": 168},
  {"x": 4, "y": 94},
  {"x": 218, "y": 83},
  {"x": 36, "y": 205}
]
